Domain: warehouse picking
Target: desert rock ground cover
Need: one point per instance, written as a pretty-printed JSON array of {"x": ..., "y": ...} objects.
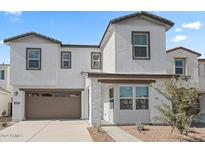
[
  {"x": 99, "y": 136},
  {"x": 163, "y": 134}
]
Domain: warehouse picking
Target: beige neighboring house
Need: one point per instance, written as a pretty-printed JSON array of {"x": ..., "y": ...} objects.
[
  {"x": 201, "y": 63},
  {"x": 5, "y": 89},
  {"x": 109, "y": 81},
  {"x": 187, "y": 64}
]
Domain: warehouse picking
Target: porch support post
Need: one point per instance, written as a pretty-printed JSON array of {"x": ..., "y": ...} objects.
[{"x": 95, "y": 102}]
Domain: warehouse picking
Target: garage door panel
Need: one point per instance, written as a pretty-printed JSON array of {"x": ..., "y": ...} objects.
[{"x": 43, "y": 107}]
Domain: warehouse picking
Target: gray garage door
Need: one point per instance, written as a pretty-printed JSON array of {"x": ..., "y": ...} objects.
[{"x": 53, "y": 105}]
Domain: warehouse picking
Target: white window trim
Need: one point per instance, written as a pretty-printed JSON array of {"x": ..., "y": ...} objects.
[{"x": 147, "y": 45}]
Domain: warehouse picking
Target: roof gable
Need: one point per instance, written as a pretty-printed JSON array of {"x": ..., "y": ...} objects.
[
  {"x": 183, "y": 48},
  {"x": 147, "y": 15},
  {"x": 31, "y": 34}
]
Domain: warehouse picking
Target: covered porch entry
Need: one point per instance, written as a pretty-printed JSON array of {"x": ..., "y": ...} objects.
[{"x": 122, "y": 98}]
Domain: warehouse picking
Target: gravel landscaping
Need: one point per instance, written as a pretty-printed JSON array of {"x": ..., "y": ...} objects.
[
  {"x": 163, "y": 134},
  {"x": 4, "y": 120},
  {"x": 99, "y": 136}
]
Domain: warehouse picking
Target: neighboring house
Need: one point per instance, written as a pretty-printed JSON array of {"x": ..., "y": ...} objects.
[
  {"x": 201, "y": 64},
  {"x": 5, "y": 88},
  {"x": 109, "y": 81},
  {"x": 185, "y": 62}
]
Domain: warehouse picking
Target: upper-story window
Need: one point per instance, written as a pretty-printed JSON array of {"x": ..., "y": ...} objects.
[
  {"x": 65, "y": 59},
  {"x": 2, "y": 75},
  {"x": 33, "y": 58},
  {"x": 95, "y": 60},
  {"x": 141, "y": 45},
  {"x": 180, "y": 66}
]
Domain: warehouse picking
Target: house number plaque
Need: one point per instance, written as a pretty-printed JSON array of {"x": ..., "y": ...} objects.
[{"x": 16, "y": 103}]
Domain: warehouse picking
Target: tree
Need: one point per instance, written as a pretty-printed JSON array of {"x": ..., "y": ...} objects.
[{"x": 182, "y": 110}]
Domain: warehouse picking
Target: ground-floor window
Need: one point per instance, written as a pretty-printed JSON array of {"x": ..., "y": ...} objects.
[
  {"x": 126, "y": 95},
  {"x": 140, "y": 98},
  {"x": 111, "y": 97}
]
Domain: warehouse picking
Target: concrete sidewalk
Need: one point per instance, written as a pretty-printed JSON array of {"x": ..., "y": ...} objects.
[
  {"x": 47, "y": 131},
  {"x": 120, "y": 135}
]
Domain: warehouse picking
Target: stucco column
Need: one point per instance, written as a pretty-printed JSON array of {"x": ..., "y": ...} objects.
[
  {"x": 18, "y": 106},
  {"x": 95, "y": 102}
]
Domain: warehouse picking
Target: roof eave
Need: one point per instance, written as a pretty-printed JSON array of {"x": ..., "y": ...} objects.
[
  {"x": 183, "y": 48},
  {"x": 7, "y": 40},
  {"x": 150, "y": 15},
  {"x": 120, "y": 76},
  {"x": 79, "y": 46},
  {"x": 168, "y": 23}
]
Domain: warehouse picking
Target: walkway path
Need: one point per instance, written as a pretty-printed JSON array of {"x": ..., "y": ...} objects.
[{"x": 120, "y": 135}]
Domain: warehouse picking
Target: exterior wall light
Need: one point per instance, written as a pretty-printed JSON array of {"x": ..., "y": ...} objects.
[{"x": 16, "y": 93}]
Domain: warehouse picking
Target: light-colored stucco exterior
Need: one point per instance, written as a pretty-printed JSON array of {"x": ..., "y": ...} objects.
[
  {"x": 194, "y": 69},
  {"x": 116, "y": 59},
  {"x": 5, "y": 89},
  {"x": 201, "y": 74},
  {"x": 50, "y": 76},
  {"x": 120, "y": 40},
  {"x": 50, "y": 65},
  {"x": 191, "y": 63},
  {"x": 124, "y": 43}
]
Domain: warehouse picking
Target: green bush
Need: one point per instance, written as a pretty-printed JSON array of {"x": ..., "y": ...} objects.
[
  {"x": 4, "y": 124},
  {"x": 140, "y": 127},
  {"x": 3, "y": 113},
  {"x": 179, "y": 115}
]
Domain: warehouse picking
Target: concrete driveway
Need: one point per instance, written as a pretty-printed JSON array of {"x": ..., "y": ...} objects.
[{"x": 48, "y": 131}]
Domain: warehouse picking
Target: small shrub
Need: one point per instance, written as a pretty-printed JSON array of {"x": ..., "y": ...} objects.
[
  {"x": 4, "y": 124},
  {"x": 98, "y": 126},
  {"x": 3, "y": 113},
  {"x": 140, "y": 127}
]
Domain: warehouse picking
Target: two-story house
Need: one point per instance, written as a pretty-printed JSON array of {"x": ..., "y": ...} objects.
[
  {"x": 5, "y": 89},
  {"x": 109, "y": 81}
]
